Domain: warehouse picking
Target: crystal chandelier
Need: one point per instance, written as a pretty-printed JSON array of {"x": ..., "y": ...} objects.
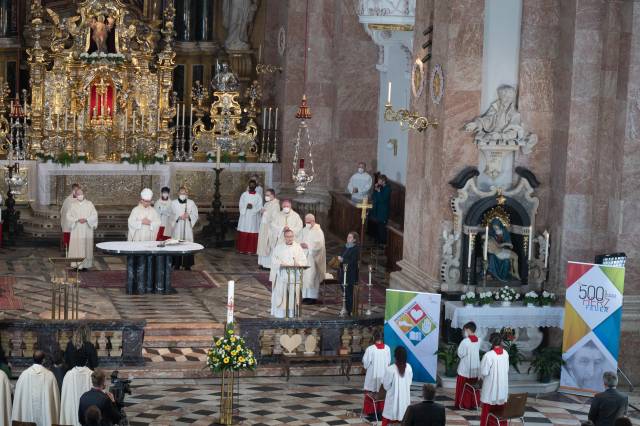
[{"x": 301, "y": 177}]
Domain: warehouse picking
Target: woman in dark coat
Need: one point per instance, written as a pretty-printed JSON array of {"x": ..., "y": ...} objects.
[
  {"x": 380, "y": 211},
  {"x": 350, "y": 257}
]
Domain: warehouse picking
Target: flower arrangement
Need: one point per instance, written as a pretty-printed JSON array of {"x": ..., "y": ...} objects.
[
  {"x": 96, "y": 56},
  {"x": 531, "y": 298},
  {"x": 547, "y": 298},
  {"x": 44, "y": 156},
  {"x": 242, "y": 157},
  {"x": 469, "y": 298},
  {"x": 210, "y": 156},
  {"x": 507, "y": 294},
  {"x": 160, "y": 157},
  {"x": 485, "y": 298},
  {"x": 125, "y": 157},
  {"x": 230, "y": 352},
  {"x": 82, "y": 156},
  {"x": 64, "y": 159}
]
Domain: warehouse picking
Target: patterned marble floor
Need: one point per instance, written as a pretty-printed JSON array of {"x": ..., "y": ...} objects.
[{"x": 318, "y": 401}]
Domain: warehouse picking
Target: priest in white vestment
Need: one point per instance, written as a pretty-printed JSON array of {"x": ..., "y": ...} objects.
[
  {"x": 144, "y": 220},
  {"x": 360, "y": 184},
  {"x": 5, "y": 399},
  {"x": 494, "y": 371},
  {"x": 82, "y": 218},
  {"x": 468, "y": 368},
  {"x": 376, "y": 359},
  {"x": 287, "y": 218},
  {"x": 289, "y": 253},
  {"x": 66, "y": 229},
  {"x": 163, "y": 207},
  {"x": 249, "y": 220},
  {"x": 397, "y": 382},
  {"x": 312, "y": 242},
  {"x": 185, "y": 216},
  {"x": 36, "y": 398},
  {"x": 76, "y": 382},
  {"x": 266, "y": 242}
]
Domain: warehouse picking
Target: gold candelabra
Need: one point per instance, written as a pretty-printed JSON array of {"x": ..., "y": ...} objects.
[{"x": 407, "y": 119}]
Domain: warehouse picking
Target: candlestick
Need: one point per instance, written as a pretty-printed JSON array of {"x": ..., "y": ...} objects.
[
  {"x": 546, "y": 248},
  {"x": 218, "y": 158},
  {"x": 230, "y": 291},
  {"x": 470, "y": 249},
  {"x": 486, "y": 242},
  {"x": 389, "y": 93},
  {"x": 275, "y": 127},
  {"x": 530, "y": 242},
  {"x": 269, "y": 127}
]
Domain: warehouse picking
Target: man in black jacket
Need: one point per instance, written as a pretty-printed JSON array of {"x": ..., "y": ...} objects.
[
  {"x": 101, "y": 399},
  {"x": 427, "y": 412},
  {"x": 609, "y": 405}
]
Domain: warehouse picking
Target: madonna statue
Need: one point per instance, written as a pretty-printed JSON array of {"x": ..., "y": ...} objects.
[{"x": 503, "y": 260}]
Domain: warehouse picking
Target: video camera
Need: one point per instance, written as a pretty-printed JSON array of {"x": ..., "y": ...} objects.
[{"x": 119, "y": 387}]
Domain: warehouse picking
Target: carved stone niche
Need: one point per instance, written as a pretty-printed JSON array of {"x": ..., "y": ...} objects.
[{"x": 515, "y": 207}]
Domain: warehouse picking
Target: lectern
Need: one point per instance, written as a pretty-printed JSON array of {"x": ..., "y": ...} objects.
[{"x": 293, "y": 292}]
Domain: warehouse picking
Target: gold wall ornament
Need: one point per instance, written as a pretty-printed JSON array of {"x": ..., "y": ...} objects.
[
  {"x": 407, "y": 119},
  {"x": 498, "y": 213}
]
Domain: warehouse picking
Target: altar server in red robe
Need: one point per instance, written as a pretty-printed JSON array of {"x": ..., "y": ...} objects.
[
  {"x": 249, "y": 221},
  {"x": 468, "y": 368},
  {"x": 494, "y": 370},
  {"x": 376, "y": 359}
]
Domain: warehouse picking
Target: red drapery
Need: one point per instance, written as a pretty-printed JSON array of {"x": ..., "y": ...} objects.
[{"x": 96, "y": 107}]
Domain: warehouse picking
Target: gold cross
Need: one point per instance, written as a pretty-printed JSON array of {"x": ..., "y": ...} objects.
[
  {"x": 364, "y": 206},
  {"x": 101, "y": 87}
]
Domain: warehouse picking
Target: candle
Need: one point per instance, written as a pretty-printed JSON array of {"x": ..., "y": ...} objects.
[
  {"x": 269, "y": 118},
  {"x": 183, "y": 107},
  {"x": 177, "y": 115},
  {"x": 260, "y": 54},
  {"x": 230, "y": 290},
  {"x": 65, "y": 119},
  {"x": 470, "y": 249},
  {"x": 530, "y": 242},
  {"x": 345, "y": 275},
  {"x": 486, "y": 242},
  {"x": 191, "y": 116},
  {"x": 389, "y": 93},
  {"x": 58, "y": 122},
  {"x": 74, "y": 122},
  {"x": 218, "y": 158},
  {"x": 126, "y": 118},
  {"x": 134, "y": 121},
  {"x": 546, "y": 248},
  {"x": 264, "y": 119},
  {"x": 158, "y": 125},
  {"x": 301, "y": 166},
  {"x": 370, "y": 269},
  {"x": 276, "y": 122}
]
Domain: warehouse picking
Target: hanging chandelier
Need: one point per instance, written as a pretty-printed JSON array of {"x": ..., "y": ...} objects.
[{"x": 300, "y": 175}]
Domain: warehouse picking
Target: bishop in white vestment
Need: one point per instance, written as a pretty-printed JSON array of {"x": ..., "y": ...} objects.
[
  {"x": 163, "y": 207},
  {"x": 5, "y": 399},
  {"x": 144, "y": 220},
  {"x": 494, "y": 370},
  {"x": 398, "y": 386},
  {"x": 312, "y": 242},
  {"x": 185, "y": 215},
  {"x": 359, "y": 184},
  {"x": 288, "y": 253},
  {"x": 76, "y": 382},
  {"x": 66, "y": 230},
  {"x": 249, "y": 220},
  {"x": 266, "y": 242},
  {"x": 285, "y": 219},
  {"x": 36, "y": 398},
  {"x": 82, "y": 218},
  {"x": 376, "y": 359},
  {"x": 468, "y": 367}
]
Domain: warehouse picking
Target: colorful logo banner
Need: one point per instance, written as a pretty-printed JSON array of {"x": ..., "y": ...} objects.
[
  {"x": 592, "y": 316},
  {"x": 412, "y": 320}
]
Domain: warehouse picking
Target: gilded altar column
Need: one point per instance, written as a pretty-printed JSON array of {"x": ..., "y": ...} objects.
[
  {"x": 36, "y": 59},
  {"x": 166, "y": 63}
]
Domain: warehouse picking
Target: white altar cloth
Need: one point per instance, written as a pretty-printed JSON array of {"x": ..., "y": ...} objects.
[
  {"x": 148, "y": 247},
  {"x": 496, "y": 317}
]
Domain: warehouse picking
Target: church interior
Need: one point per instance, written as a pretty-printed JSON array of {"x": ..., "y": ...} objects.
[{"x": 395, "y": 212}]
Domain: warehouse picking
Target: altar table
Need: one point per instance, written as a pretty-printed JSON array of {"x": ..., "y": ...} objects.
[
  {"x": 524, "y": 320},
  {"x": 148, "y": 263}
]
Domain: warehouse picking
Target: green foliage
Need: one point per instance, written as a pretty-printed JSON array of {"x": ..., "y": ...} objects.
[
  {"x": 230, "y": 352},
  {"x": 448, "y": 354},
  {"x": 515, "y": 356},
  {"x": 547, "y": 363}
]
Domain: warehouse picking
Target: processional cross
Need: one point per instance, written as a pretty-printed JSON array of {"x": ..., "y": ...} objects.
[{"x": 363, "y": 206}]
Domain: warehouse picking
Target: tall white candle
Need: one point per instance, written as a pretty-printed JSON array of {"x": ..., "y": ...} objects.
[
  {"x": 74, "y": 122},
  {"x": 134, "y": 121},
  {"x": 65, "y": 119},
  {"x": 469, "y": 250},
  {"x": 530, "y": 242},
  {"x": 58, "y": 122},
  {"x": 191, "y": 116},
  {"x": 269, "y": 127},
  {"x": 158, "y": 125},
  {"x": 230, "y": 291},
  {"x": 370, "y": 269},
  {"x": 546, "y": 248},
  {"x": 344, "y": 276},
  {"x": 126, "y": 118},
  {"x": 275, "y": 127},
  {"x": 177, "y": 115},
  {"x": 183, "y": 108},
  {"x": 486, "y": 243},
  {"x": 218, "y": 158},
  {"x": 264, "y": 119},
  {"x": 389, "y": 93}
]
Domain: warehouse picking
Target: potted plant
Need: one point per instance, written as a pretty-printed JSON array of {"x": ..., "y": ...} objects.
[
  {"x": 547, "y": 298},
  {"x": 515, "y": 356},
  {"x": 469, "y": 298},
  {"x": 506, "y": 295},
  {"x": 64, "y": 159},
  {"x": 531, "y": 299},
  {"x": 547, "y": 363},
  {"x": 448, "y": 354},
  {"x": 485, "y": 298}
]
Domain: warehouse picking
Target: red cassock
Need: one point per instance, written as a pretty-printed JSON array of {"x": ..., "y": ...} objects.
[
  {"x": 464, "y": 395},
  {"x": 247, "y": 242}
]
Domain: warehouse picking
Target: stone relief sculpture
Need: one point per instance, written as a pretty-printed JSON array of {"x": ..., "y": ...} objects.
[{"x": 238, "y": 19}]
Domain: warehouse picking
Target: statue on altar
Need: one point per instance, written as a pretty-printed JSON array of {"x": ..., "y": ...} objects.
[
  {"x": 501, "y": 123},
  {"x": 101, "y": 30},
  {"x": 225, "y": 80},
  {"x": 503, "y": 260}
]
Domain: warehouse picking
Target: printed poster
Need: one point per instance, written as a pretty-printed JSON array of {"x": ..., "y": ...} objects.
[{"x": 412, "y": 319}]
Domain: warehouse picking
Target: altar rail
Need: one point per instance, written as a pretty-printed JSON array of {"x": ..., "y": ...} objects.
[
  {"x": 20, "y": 338},
  {"x": 263, "y": 335}
]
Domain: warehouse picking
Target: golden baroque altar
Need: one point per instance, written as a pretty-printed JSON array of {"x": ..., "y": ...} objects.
[{"x": 101, "y": 82}]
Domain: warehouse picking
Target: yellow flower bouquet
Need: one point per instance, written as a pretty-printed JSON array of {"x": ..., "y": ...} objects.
[{"x": 230, "y": 352}]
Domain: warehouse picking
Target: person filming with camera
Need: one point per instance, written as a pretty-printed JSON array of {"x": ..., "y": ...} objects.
[{"x": 100, "y": 398}]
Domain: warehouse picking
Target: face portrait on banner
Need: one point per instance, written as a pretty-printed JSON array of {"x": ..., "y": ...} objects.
[{"x": 585, "y": 366}]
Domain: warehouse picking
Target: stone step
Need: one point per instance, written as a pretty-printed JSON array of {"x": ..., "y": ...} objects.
[
  {"x": 203, "y": 329},
  {"x": 178, "y": 341}
]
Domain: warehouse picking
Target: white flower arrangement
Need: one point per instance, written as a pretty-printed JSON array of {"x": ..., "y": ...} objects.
[
  {"x": 507, "y": 294},
  {"x": 547, "y": 298},
  {"x": 125, "y": 157},
  {"x": 531, "y": 298},
  {"x": 469, "y": 298},
  {"x": 211, "y": 156},
  {"x": 485, "y": 298}
]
